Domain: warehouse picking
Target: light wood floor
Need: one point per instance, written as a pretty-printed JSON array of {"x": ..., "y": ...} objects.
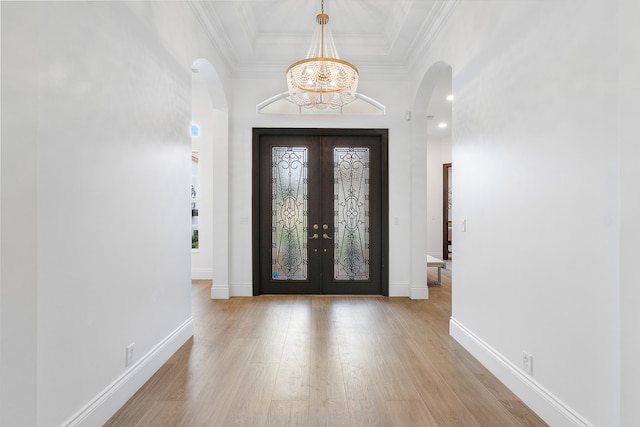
[{"x": 323, "y": 361}]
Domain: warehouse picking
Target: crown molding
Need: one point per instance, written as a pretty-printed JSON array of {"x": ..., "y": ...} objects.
[
  {"x": 358, "y": 44},
  {"x": 248, "y": 20},
  {"x": 213, "y": 29},
  {"x": 393, "y": 30},
  {"x": 430, "y": 30}
]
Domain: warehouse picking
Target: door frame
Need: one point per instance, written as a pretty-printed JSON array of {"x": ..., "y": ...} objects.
[
  {"x": 383, "y": 134},
  {"x": 446, "y": 167}
]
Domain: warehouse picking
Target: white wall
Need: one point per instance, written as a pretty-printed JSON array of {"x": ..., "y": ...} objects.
[
  {"x": 536, "y": 178},
  {"x": 220, "y": 216},
  {"x": 251, "y": 91},
  {"x": 629, "y": 93},
  {"x": 95, "y": 170},
  {"x": 18, "y": 272}
]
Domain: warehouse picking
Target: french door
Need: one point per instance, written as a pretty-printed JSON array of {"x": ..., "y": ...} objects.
[{"x": 320, "y": 211}]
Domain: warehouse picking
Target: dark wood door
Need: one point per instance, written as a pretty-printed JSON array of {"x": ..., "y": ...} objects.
[{"x": 320, "y": 211}]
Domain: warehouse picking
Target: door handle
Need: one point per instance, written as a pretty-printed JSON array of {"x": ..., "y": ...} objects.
[
  {"x": 326, "y": 236},
  {"x": 315, "y": 236}
]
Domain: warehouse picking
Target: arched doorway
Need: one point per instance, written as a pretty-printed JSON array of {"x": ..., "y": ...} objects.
[
  {"x": 210, "y": 158},
  {"x": 428, "y": 143}
]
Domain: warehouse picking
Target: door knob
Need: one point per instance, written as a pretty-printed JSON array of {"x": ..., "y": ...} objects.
[{"x": 326, "y": 236}]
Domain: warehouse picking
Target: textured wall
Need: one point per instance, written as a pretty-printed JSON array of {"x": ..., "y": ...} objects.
[
  {"x": 629, "y": 133},
  {"x": 536, "y": 179},
  {"x": 101, "y": 107}
]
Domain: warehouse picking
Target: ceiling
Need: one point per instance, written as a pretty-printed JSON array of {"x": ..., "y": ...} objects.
[{"x": 378, "y": 36}]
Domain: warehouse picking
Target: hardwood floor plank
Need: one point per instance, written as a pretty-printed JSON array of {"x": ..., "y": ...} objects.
[
  {"x": 328, "y": 413},
  {"x": 130, "y": 414},
  {"x": 522, "y": 413},
  {"x": 323, "y": 326},
  {"x": 394, "y": 380},
  {"x": 164, "y": 414},
  {"x": 410, "y": 413},
  {"x": 218, "y": 387},
  {"x": 359, "y": 383},
  {"x": 323, "y": 361},
  {"x": 288, "y": 413},
  {"x": 293, "y": 370},
  {"x": 299, "y": 413},
  {"x": 252, "y": 399},
  {"x": 269, "y": 324},
  {"x": 369, "y": 411},
  {"x": 326, "y": 379},
  {"x": 439, "y": 398},
  {"x": 484, "y": 406}
]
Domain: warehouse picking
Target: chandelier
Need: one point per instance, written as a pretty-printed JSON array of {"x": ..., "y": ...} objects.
[{"x": 322, "y": 79}]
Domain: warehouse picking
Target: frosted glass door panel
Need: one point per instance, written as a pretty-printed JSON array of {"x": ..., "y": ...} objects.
[
  {"x": 289, "y": 213},
  {"x": 351, "y": 213}
]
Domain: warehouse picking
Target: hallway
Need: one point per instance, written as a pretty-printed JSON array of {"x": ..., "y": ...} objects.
[{"x": 323, "y": 360}]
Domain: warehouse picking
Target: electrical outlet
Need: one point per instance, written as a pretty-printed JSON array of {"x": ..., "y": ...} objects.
[
  {"x": 527, "y": 363},
  {"x": 129, "y": 354}
]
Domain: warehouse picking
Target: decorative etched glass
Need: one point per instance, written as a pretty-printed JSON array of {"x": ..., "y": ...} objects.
[
  {"x": 351, "y": 213},
  {"x": 289, "y": 213}
]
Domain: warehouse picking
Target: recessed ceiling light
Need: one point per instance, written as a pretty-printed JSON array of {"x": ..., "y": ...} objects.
[
  {"x": 442, "y": 125},
  {"x": 450, "y": 98}
]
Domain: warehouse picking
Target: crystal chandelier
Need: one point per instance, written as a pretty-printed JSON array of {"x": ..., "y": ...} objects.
[{"x": 322, "y": 79}]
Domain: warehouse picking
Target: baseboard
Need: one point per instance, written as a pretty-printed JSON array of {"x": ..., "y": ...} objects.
[
  {"x": 239, "y": 290},
  {"x": 201, "y": 274},
  {"x": 103, "y": 406},
  {"x": 419, "y": 292},
  {"x": 551, "y": 409},
  {"x": 399, "y": 290},
  {"x": 219, "y": 292}
]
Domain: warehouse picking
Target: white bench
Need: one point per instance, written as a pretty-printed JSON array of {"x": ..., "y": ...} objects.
[{"x": 435, "y": 262}]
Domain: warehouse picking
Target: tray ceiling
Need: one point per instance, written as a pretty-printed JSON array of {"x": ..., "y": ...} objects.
[
  {"x": 270, "y": 34},
  {"x": 380, "y": 37}
]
